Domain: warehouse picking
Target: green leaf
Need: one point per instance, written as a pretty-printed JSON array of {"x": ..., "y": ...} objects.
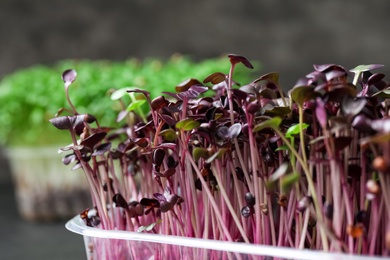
[
  {"x": 282, "y": 148},
  {"x": 383, "y": 93},
  {"x": 148, "y": 227},
  {"x": 187, "y": 124},
  {"x": 287, "y": 181},
  {"x": 278, "y": 111},
  {"x": 270, "y": 123},
  {"x": 217, "y": 155},
  {"x": 279, "y": 172},
  {"x": 200, "y": 152},
  {"x": 295, "y": 129},
  {"x": 118, "y": 94},
  {"x": 301, "y": 94},
  {"x": 168, "y": 134},
  {"x": 136, "y": 104},
  {"x": 362, "y": 68}
]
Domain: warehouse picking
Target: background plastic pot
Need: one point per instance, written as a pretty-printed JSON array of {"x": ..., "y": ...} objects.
[
  {"x": 114, "y": 245},
  {"x": 45, "y": 188}
]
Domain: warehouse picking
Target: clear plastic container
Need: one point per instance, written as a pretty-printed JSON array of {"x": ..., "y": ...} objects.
[{"x": 115, "y": 245}]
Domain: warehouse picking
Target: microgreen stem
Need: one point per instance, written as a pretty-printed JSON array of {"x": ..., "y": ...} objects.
[
  {"x": 228, "y": 203},
  {"x": 310, "y": 184},
  {"x": 211, "y": 198}
]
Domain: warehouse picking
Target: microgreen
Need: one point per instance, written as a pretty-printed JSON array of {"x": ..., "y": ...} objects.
[{"x": 223, "y": 161}]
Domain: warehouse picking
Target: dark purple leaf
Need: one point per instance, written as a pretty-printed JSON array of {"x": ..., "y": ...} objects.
[
  {"x": 171, "y": 146},
  {"x": 68, "y": 76},
  {"x": 171, "y": 162},
  {"x": 167, "y": 173},
  {"x": 101, "y": 149},
  {"x": 271, "y": 77},
  {"x": 328, "y": 67},
  {"x": 321, "y": 113},
  {"x": 62, "y": 122},
  {"x": 185, "y": 85},
  {"x": 142, "y": 142},
  {"x": 362, "y": 124},
  {"x": 120, "y": 201},
  {"x": 328, "y": 210},
  {"x": 76, "y": 166},
  {"x": 234, "y": 59},
  {"x": 239, "y": 94},
  {"x": 381, "y": 125},
  {"x": 168, "y": 119},
  {"x": 222, "y": 132},
  {"x": 158, "y": 156},
  {"x": 215, "y": 78},
  {"x": 159, "y": 102},
  {"x": 93, "y": 139},
  {"x": 69, "y": 158},
  {"x": 351, "y": 106},
  {"x": 234, "y": 130},
  {"x": 160, "y": 197},
  {"x": 334, "y": 74},
  {"x": 253, "y": 107},
  {"x": 193, "y": 92},
  {"x": 375, "y": 78}
]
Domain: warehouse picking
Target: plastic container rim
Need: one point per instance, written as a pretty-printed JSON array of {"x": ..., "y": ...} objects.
[{"x": 76, "y": 225}]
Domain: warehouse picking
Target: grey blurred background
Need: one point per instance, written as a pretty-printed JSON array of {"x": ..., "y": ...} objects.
[{"x": 286, "y": 36}]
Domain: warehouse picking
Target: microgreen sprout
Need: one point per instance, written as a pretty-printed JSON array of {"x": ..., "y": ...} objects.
[{"x": 219, "y": 160}]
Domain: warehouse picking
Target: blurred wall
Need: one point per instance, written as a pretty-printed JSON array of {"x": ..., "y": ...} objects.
[{"x": 287, "y": 36}]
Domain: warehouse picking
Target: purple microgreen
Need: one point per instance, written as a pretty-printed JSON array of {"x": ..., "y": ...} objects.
[
  {"x": 68, "y": 76},
  {"x": 320, "y": 113},
  {"x": 362, "y": 68},
  {"x": 193, "y": 92},
  {"x": 234, "y": 59},
  {"x": 215, "y": 78},
  {"x": 158, "y": 156},
  {"x": 244, "y": 164},
  {"x": 120, "y": 201},
  {"x": 69, "y": 158},
  {"x": 351, "y": 106},
  {"x": 375, "y": 78},
  {"x": 185, "y": 85},
  {"x": 67, "y": 122},
  {"x": 234, "y": 130},
  {"x": 93, "y": 140},
  {"x": 159, "y": 102},
  {"x": 101, "y": 149}
]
